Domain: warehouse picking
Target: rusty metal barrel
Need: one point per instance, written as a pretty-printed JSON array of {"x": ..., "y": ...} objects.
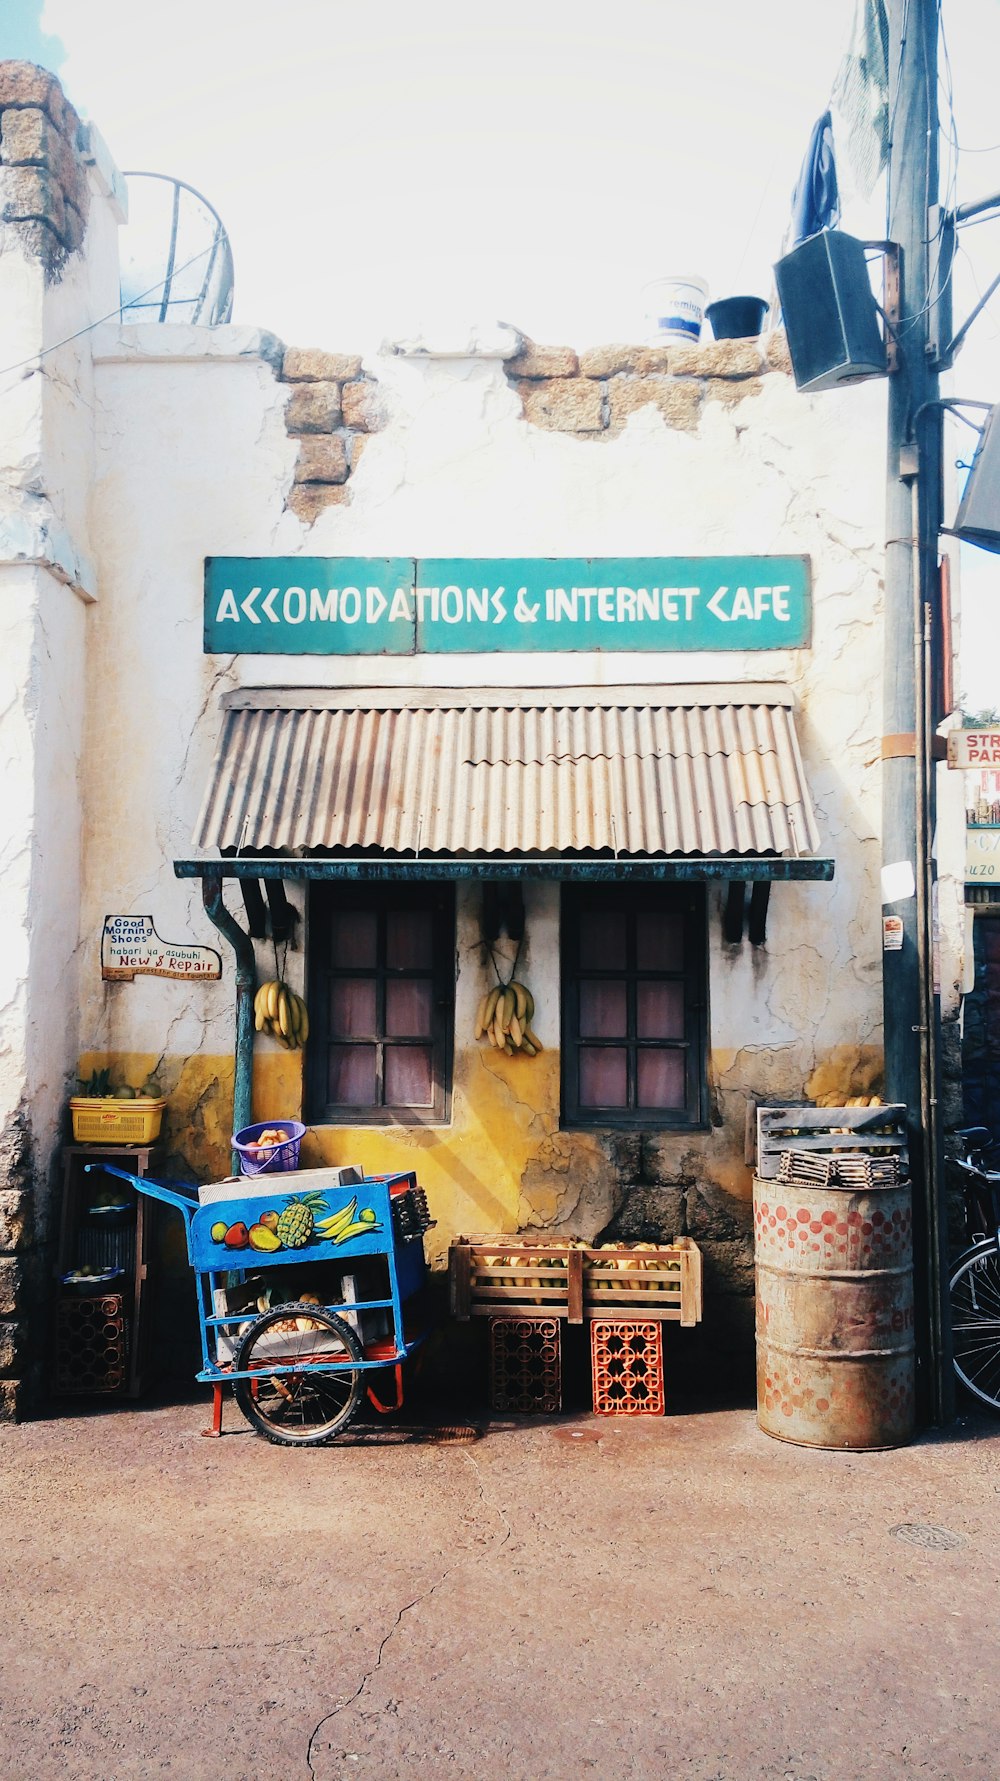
[{"x": 835, "y": 1339}]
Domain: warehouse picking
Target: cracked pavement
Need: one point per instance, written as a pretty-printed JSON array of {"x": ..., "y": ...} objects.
[{"x": 676, "y": 1596}]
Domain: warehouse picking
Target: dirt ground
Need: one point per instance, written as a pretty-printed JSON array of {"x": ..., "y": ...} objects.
[{"x": 676, "y": 1597}]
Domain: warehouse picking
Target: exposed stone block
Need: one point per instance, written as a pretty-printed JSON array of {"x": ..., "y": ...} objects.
[
  {"x": 15, "y": 1220},
  {"x": 361, "y": 407},
  {"x": 27, "y": 138},
  {"x": 732, "y": 390},
  {"x": 711, "y": 1212},
  {"x": 728, "y": 1267},
  {"x": 717, "y": 358},
  {"x": 678, "y": 401},
  {"x": 11, "y": 1336},
  {"x": 12, "y": 1396},
  {"x": 307, "y": 500},
  {"x": 10, "y": 1285},
  {"x": 776, "y": 351},
  {"x": 22, "y": 83},
  {"x": 607, "y": 361},
  {"x": 543, "y": 361},
  {"x": 357, "y": 444},
  {"x": 564, "y": 404},
  {"x": 656, "y": 360},
  {"x": 313, "y": 408},
  {"x": 321, "y": 460},
  {"x": 31, "y": 194},
  {"x": 307, "y": 364},
  {"x": 648, "y": 1215}
]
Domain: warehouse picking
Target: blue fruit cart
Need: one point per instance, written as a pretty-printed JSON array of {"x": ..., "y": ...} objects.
[{"x": 309, "y": 1285}]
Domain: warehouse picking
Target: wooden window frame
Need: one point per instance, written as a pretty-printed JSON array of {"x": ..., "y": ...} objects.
[
  {"x": 690, "y": 901},
  {"x": 324, "y": 901}
]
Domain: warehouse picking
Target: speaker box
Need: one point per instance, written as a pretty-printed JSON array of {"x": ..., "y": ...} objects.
[
  {"x": 829, "y": 312},
  {"x": 978, "y": 517}
]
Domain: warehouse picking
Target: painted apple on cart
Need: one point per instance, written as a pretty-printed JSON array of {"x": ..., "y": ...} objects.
[{"x": 297, "y": 1225}]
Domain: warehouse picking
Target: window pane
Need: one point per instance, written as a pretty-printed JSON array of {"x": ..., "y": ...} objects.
[
  {"x": 409, "y": 939},
  {"x": 351, "y": 1076},
  {"x": 603, "y": 1010},
  {"x": 352, "y": 1008},
  {"x": 659, "y": 1010},
  {"x": 602, "y": 939},
  {"x": 661, "y": 1078},
  {"x": 659, "y": 940},
  {"x": 603, "y": 1076},
  {"x": 409, "y": 1007},
  {"x": 409, "y": 1076},
  {"x": 353, "y": 937}
]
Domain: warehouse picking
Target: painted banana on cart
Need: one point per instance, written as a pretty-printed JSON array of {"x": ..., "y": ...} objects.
[{"x": 297, "y": 1225}]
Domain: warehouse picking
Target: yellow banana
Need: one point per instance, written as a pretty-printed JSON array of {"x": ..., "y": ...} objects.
[
  {"x": 508, "y": 1047},
  {"x": 533, "y": 1039},
  {"x": 481, "y": 1016},
  {"x": 527, "y": 1046},
  {"x": 259, "y": 1000},
  {"x": 520, "y": 998},
  {"x": 509, "y": 1004},
  {"x": 284, "y": 1013},
  {"x": 491, "y": 1005},
  {"x": 530, "y": 1010},
  {"x": 499, "y": 1036},
  {"x": 272, "y": 1001},
  {"x": 515, "y": 1030},
  {"x": 258, "y": 1019}
]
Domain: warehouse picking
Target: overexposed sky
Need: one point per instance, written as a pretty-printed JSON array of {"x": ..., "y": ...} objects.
[{"x": 381, "y": 165}]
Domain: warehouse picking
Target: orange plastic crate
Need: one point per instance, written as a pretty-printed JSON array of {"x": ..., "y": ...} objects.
[{"x": 627, "y": 1367}]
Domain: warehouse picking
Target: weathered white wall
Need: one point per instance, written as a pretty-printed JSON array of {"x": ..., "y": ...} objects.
[{"x": 193, "y": 460}]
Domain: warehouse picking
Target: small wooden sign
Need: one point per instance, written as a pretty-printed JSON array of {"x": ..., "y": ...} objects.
[{"x": 131, "y": 945}]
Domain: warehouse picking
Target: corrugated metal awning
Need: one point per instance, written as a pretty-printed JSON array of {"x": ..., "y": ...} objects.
[{"x": 710, "y": 770}]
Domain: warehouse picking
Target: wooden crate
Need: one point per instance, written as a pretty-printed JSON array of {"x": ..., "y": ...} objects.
[
  {"x": 872, "y": 1131},
  {"x": 490, "y": 1278}
]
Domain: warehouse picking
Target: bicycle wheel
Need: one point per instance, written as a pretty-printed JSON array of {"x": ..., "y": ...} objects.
[
  {"x": 975, "y": 1321},
  {"x": 299, "y": 1409}
]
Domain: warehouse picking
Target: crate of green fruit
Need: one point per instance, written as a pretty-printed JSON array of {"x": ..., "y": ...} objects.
[{"x": 102, "y": 1114}]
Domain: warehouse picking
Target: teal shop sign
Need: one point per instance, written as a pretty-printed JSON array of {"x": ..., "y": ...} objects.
[{"x": 447, "y": 605}]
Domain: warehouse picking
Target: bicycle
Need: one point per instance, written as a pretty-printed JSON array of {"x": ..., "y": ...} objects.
[{"x": 975, "y": 1275}]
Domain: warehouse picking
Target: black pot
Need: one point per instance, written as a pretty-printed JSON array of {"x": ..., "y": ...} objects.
[{"x": 737, "y": 318}]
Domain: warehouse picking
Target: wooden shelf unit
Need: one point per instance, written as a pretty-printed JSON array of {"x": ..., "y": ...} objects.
[{"x": 126, "y": 1245}]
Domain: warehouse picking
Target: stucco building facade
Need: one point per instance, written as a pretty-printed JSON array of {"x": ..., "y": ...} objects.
[{"x": 134, "y": 454}]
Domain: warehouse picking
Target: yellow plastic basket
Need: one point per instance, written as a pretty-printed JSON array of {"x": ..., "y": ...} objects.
[{"x": 112, "y": 1121}]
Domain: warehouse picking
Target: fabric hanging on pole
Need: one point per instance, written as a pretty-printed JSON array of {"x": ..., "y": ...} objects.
[
  {"x": 816, "y": 200},
  {"x": 861, "y": 94}
]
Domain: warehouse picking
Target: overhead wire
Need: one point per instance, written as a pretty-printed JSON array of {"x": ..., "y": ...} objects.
[{"x": 35, "y": 358}]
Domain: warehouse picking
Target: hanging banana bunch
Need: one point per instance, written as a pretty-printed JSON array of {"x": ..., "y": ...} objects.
[
  {"x": 279, "y": 1011},
  {"x": 504, "y": 1017}
]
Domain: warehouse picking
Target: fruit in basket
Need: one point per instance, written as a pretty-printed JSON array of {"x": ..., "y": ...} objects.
[
  {"x": 297, "y": 1222},
  {"x": 237, "y": 1237},
  {"x": 260, "y": 1236},
  {"x": 218, "y": 1232}
]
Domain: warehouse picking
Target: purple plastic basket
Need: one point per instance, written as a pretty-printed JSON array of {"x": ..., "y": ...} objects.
[{"x": 279, "y": 1156}]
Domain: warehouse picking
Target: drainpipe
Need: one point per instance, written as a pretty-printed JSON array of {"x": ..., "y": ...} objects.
[{"x": 246, "y": 984}]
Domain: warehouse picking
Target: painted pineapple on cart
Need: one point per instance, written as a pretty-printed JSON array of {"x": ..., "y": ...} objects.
[{"x": 296, "y": 1359}]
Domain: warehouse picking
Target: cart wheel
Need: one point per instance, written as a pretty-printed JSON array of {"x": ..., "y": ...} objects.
[{"x": 299, "y": 1409}]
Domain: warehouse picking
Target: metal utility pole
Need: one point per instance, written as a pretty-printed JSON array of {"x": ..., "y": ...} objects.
[{"x": 912, "y": 613}]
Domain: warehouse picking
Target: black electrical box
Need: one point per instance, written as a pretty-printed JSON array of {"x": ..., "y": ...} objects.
[{"x": 829, "y": 312}]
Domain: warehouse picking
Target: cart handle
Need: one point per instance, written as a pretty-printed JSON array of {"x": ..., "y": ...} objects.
[{"x": 176, "y": 1195}]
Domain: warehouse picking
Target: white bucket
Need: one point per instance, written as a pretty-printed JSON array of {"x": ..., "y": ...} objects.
[{"x": 675, "y": 309}]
